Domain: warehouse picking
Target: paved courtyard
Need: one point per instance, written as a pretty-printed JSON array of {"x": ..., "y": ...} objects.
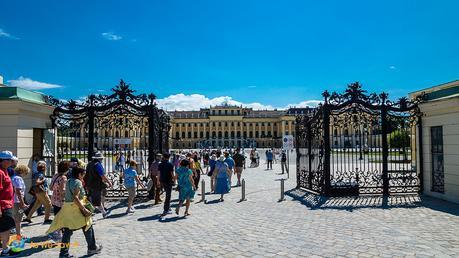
[{"x": 301, "y": 226}]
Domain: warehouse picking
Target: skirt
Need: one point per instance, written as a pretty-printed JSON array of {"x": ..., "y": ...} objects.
[
  {"x": 222, "y": 186},
  {"x": 70, "y": 217}
]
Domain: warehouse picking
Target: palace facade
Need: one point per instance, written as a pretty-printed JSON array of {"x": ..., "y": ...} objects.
[{"x": 232, "y": 126}]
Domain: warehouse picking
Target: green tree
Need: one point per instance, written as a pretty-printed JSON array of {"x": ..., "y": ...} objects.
[{"x": 399, "y": 139}]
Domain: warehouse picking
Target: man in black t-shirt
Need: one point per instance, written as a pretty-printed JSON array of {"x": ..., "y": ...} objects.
[
  {"x": 239, "y": 160},
  {"x": 166, "y": 178}
]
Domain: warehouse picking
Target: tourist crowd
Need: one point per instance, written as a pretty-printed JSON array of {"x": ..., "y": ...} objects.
[{"x": 77, "y": 191}]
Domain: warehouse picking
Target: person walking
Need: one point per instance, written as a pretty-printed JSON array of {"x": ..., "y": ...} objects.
[
  {"x": 186, "y": 186},
  {"x": 155, "y": 190},
  {"x": 269, "y": 159},
  {"x": 230, "y": 162},
  {"x": 6, "y": 203},
  {"x": 211, "y": 173},
  {"x": 239, "y": 161},
  {"x": 75, "y": 214},
  {"x": 166, "y": 178},
  {"x": 40, "y": 190},
  {"x": 284, "y": 162},
  {"x": 197, "y": 169},
  {"x": 19, "y": 190},
  {"x": 223, "y": 184},
  {"x": 122, "y": 162},
  {"x": 58, "y": 186},
  {"x": 97, "y": 182},
  {"x": 131, "y": 179}
]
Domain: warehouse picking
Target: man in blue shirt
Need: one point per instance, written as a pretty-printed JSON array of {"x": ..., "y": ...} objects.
[
  {"x": 269, "y": 158},
  {"x": 230, "y": 162}
]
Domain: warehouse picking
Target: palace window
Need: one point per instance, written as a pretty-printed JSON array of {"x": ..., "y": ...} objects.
[
  {"x": 269, "y": 124},
  {"x": 232, "y": 112},
  {"x": 177, "y": 135},
  {"x": 226, "y": 112},
  {"x": 219, "y": 112},
  {"x": 245, "y": 134},
  {"x": 238, "y": 123},
  {"x": 226, "y": 134},
  {"x": 238, "y": 134},
  {"x": 196, "y": 134},
  {"x": 257, "y": 134},
  {"x": 251, "y": 134},
  {"x": 275, "y": 134},
  {"x": 214, "y": 134},
  {"x": 232, "y": 123},
  {"x": 262, "y": 124},
  {"x": 201, "y": 134},
  {"x": 232, "y": 134},
  {"x": 189, "y": 134},
  {"x": 219, "y": 123},
  {"x": 220, "y": 135},
  {"x": 183, "y": 135},
  {"x": 213, "y": 124}
]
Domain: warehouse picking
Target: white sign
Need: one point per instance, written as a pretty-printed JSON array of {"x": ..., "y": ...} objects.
[
  {"x": 122, "y": 141},
  {"x": 287, "y": 142}
]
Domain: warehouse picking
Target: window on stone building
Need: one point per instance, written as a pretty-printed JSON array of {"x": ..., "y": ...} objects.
[
  {"x": 195, "y": 134},
  {"x": 275, "y": 134},
  {"x": 438, "y": 173},
  {"x": 232, "y": 112},
  {"x": 232, "y": 123},
  {"x": 177, "y": 135},
  {"x": 183, "y": 135},
  {"x": 244, "y": 134},
  {"x": 214, "y": 134},
  {"x": 126, "y": 134},
  {"x": 219, "y": 112},
  {"x": 201, "y": 134},
  {"x": 262, "y": 124},
  {"x": 220, "y": 135},
  {"x": 226, "y": 112},
  {"x": 257, "y": 134},
  {"x": 238, "y": 134},
  {"x": 226, "y": 134},
  {"x": 251, "y": 134},
  {"x": 189, "y": 134},
  {"x": 219, "y": 123},
  {"x": 232, "y": 134}
]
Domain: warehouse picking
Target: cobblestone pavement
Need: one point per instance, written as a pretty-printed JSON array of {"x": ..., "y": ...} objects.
[{"x": 301, "y": 226}]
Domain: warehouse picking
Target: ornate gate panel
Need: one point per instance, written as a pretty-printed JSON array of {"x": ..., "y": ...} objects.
[
  {"x": 368, "y": 144},
  {"x": 121, "y": 126}
]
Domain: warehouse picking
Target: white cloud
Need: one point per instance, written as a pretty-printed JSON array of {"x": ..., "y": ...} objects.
[
  {"x": 5, "y": 34},
  {"x": 29, "y": 84},
  {"x": 197, "y": 101},
  {"x": 392, "y": 67},
  {"x": 111, "y": 36}
]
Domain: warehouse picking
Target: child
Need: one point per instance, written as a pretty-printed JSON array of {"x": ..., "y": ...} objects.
[
  {"x": 131, "y": 179},
  {"x": 19, "y": 190}
]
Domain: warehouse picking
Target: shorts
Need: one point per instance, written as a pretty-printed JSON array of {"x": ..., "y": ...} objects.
[
  {"x": 238, "y": 170},
  {"x": 131, "y": 192},
  {"x": 7, "y": 220},
  {"x": 18, "y": 213},
  {"x": 96, "y": 196}
]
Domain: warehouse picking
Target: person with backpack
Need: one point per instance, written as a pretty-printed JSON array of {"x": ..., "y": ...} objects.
[
  {"x": 97, "y": 182},
  {"x": 58, "y": 186}
]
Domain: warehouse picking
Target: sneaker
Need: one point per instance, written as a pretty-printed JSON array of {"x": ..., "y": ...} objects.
[
  {"x": 10, "y": 253},
  {"x": 66, "y": 256},
  {"x": 130, "y": 211},
  {"x": 169, "y": 211},
  {"x": 48, "y": 221},
  {"x": 96, "y": 251}
]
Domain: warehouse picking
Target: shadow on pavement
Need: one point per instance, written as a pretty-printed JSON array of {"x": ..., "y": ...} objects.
[
  {"x": 154, "y": 217},
  {"x": 172, "y": 219},
  {"x": 314, "y": 201}
]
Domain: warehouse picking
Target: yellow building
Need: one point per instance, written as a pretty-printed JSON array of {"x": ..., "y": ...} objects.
[{"x": 232, "y": 126}]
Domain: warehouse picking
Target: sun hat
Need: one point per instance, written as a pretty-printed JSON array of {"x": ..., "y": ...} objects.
[
  {"x": 6, "y": 155},
  {"x": 98, "y": 155}
]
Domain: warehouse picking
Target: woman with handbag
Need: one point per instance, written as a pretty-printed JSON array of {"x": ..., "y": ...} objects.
[
  {"x": 75, "y": 214},
  {"x": 40, "y": 191}
]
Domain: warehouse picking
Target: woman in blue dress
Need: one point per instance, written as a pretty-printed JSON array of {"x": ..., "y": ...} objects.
[
  {"x": 223, "y": 174},
  {"x": 186, "y": 186}
]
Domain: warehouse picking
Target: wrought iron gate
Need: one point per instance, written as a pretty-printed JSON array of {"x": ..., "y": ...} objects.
[
  {"x": 118, "y": 125},
  {"x": 356, "y": 143}
]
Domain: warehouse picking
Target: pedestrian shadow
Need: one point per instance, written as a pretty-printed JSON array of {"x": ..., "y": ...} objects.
[
  {"x": 351, "y": 203},
  {"x": 213, "y": 201},
  {"x": 172, "y": 219},
  {"x": 117, "y": 215},
  {"x": 149, "y": 218},
  {"x": 145, "y": 206}
]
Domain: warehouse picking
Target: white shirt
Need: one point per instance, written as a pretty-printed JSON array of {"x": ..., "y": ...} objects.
[{"x": 18, "y": 183}]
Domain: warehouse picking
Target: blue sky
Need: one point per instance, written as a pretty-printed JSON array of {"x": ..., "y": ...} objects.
[{"x": 276, "y": 53}]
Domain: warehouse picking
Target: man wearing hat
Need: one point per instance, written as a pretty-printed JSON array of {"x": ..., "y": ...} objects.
[
  {"x": 6, "y": 202},
  {"x": 97, "y": 182}
]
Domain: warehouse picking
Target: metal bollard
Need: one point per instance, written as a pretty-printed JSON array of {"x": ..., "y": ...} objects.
[
  {"x": 203, "y": 191},
  {"x": 243, "y": 191},
  {"x": 282, "y": 197}
]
